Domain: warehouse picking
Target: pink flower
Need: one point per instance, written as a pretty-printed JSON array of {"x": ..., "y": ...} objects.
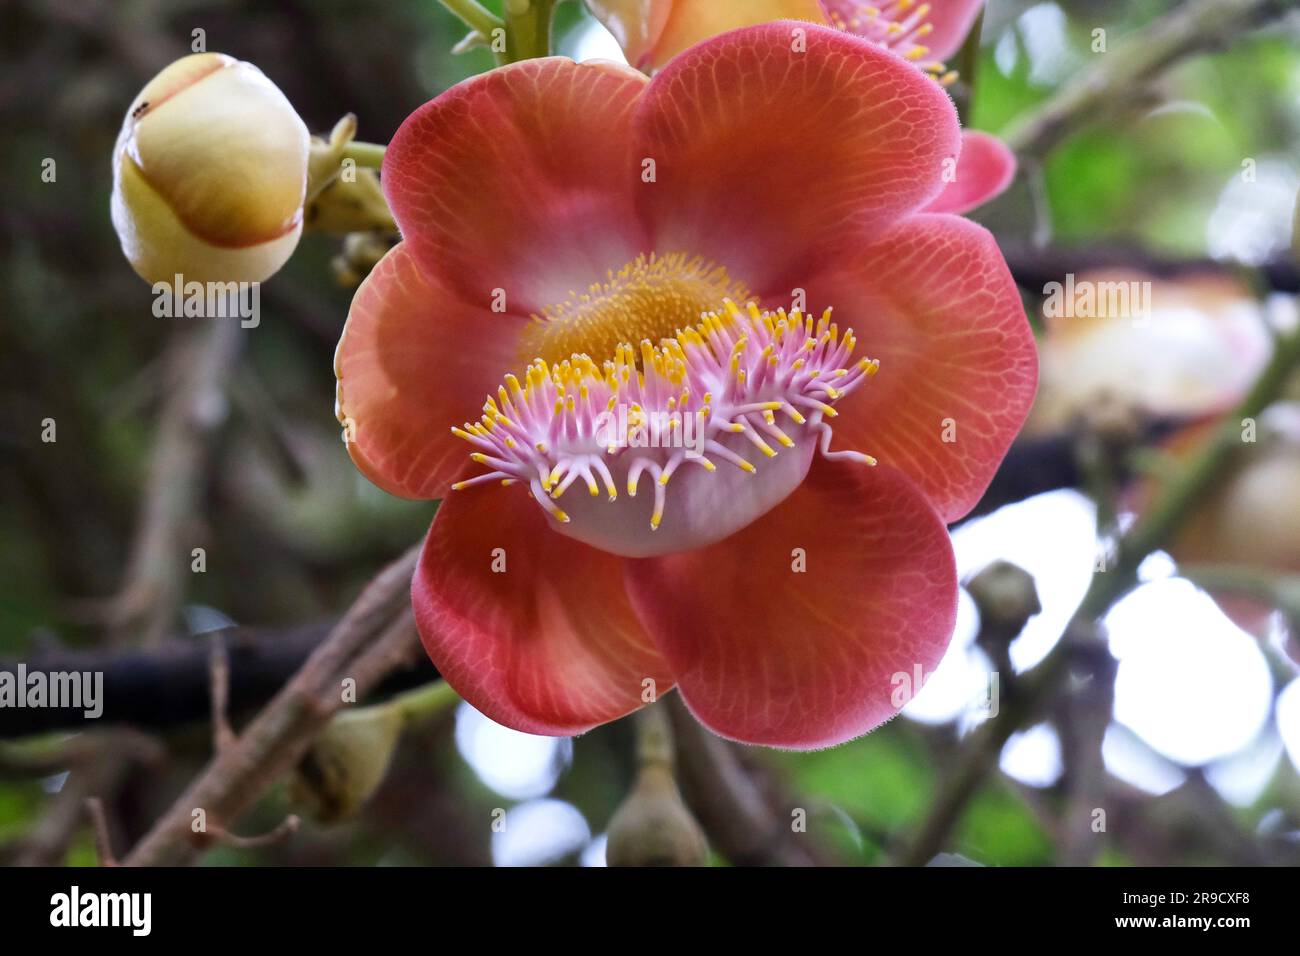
[{"x": 602, "y": 237}]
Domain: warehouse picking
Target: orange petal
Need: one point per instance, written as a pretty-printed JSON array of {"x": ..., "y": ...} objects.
[
  {"x": 934, "y": 302},
  {"x": 520, "y": 180},
  {"x": 532, "y": 628},
  {"x": 766, "y": 654},
  {"x": 414, "y": 360},
  {"x": 984, "y": 169},
  {"x": 775, "y": 145}
]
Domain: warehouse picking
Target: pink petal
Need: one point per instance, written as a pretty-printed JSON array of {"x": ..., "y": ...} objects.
[
  {"x": 549, "y": 645},
  {"x": 414, "y": 360},
  {"x": 521, "y": 180},
  {"x": 767, "y": 655},
  {"x": 768, "y": 160},
  {"x": 933, "y": 300},
  {"x": 984, "y": 169}
]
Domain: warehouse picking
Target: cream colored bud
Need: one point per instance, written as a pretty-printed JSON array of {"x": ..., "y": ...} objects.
[{"x": 210, "y": 174}]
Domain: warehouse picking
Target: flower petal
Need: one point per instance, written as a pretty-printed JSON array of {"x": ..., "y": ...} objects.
[
  {"x": 549, "y": 645},
  {"x": 767, "y": 655},
  {"x": 984, "y": 169},
  {"x": 414, "y": 360},
  {"x": 774, "y": 144},
  {"x": 521, "y": 179},
  {"x": 933, "y": 300}
]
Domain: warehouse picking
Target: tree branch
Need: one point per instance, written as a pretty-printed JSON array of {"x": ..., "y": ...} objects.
[
  {"x": 197, "y": 368},
  {"x": 376, "y": 634},
  {"x": 721, "y": 795},
  {"x": 1119, "y": 76},
  {"x": 1151, "y": 532}
]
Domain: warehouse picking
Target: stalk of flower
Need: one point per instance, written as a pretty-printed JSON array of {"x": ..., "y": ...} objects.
[{"x": 778, "y": 576}]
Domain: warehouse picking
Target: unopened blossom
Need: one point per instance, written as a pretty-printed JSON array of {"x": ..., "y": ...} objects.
[
  {"x": 210, "y": 174},
  {"x": 736, "y": 246}
]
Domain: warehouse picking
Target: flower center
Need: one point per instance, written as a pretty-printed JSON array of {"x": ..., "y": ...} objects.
[
  {"x": 708, "y": 395},
  {"x": 647, "y": 299}
]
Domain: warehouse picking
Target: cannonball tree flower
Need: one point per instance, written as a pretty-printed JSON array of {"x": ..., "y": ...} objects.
[
  {"x": 584, "y": 245},
  {"x": 210, "y": 174},
  {"x": 651, "y": 32}
]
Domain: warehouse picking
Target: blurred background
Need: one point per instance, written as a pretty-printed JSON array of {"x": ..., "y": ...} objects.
[{"x": 1191, "y": 186}]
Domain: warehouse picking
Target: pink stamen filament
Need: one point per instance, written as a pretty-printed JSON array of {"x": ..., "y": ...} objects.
[{"x": 729, "y": 374}]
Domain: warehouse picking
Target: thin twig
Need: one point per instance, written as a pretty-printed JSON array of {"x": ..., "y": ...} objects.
[
  {"x": 1151, "y": 532},
  {"x": 282, "y": 831},
  {"x": 376, "y": 634},
  {"x": 1120, "y": 77},
  {"x": 223, "y": 737},
  {"x": 99, "y": 823},
  {"x": 738, "y": 820},
  {"x": 197, "y": 367}
]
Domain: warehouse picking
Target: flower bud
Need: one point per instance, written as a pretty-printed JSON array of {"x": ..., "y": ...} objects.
[
  {"x": 347, "y": 763},
  {"x": 1006, "y": 597},
  {"x": 210, "y": 174},
  {"x": 652, "y": 827}
]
